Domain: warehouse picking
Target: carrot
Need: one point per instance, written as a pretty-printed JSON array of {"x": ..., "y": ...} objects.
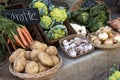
[
  {"x": 12, "y": 44},
  {"x": 18, "y": 41},
  {"x": 22, "y": 37},
  {"x": 25, "y": 35},
  {"x": 27, "y": 32}
]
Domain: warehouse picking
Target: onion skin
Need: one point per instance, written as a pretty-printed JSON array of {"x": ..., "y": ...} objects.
[
  {"x": 115, "y": 24},
  {"x": 108, "y": 42}
]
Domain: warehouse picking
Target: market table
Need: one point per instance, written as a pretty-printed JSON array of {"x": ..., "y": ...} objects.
[{"x": 93, "y": 66}]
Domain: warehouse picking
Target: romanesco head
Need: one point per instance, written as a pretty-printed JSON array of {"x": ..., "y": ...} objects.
[
  {"x": 40, "y": 6},
  {"x": 58, "y": 14},
  {"x": 46, "y": 20},
  {"x": 112, "y": 78},
  {"x": 116, "y": 74}
]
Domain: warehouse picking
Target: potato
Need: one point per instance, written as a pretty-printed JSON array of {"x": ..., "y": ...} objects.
[
  {"x": 34, "y": 55},
  {"x": 42, "y": 67},
  {"x": 38, "y": 46},
  {"x": 17, "y": 53},
  {"x": 19, "y": 64},
  {"x": 52, "y": 50},
  {"x": 45, "y": 59},
  {"x": 55, "y": 59},
  {"x": 31, "y": 67},
  {"x": 27, "y": 55}
]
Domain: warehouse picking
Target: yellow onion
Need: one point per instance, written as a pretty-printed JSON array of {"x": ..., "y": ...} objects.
[
  {"x": 116, "y": 38},
  {"x": 97, "y": 41},
  {"x": 108, "y": 42},
  {"x": 103, "y": 36}
]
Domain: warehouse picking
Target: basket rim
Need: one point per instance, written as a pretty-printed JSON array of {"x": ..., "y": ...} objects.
[
  {"x": 102, "y": 46},
  {"x": 71, "y": 37},
  {"x": 41, "y": 75}
]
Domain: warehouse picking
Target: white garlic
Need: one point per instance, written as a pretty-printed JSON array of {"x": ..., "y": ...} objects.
[
  {"x": 65, "y": 43},
  {"x": 72, "y": 53}
]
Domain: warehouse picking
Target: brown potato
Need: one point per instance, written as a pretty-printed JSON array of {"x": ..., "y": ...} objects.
[
  {"x": 31, "y": 67},
  {"x": 55, "y": 59},
  {"x": 27, "y": 55},
  {"x": 19, "y": 64},
  {"x": 52, "y": 50},
  {"x": 38, "y": 46},
  {"x": 34, "y": 55},
  {"x": 42, "y": 67},
  {"x": 17, "y": 53},
  {"x": 45, "y": 59}
]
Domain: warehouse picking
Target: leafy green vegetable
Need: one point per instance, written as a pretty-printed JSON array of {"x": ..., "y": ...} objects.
[{"x": 92, "y": 17}]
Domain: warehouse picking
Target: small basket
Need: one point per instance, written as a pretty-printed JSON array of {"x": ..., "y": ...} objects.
[
  {"x": 71, "y": 37},
  {"x": 39, "y": 76},
  {"x": 56, "y": 41},
  {"x": 102, "y": 46}
]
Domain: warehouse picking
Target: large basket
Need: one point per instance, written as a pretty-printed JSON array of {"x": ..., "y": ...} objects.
[
  {"x": 102, "y": 46},
  {"x": 71, "y": 37},
  {"x": 39, "y": 76}
]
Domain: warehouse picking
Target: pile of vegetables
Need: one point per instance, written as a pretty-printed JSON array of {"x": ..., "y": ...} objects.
[
  {"x": 40, "y": 58},
  {"x": 77, "y": 46},
  {"x": 106, "y": 36},
  {"x": 92, "y": 17},
  {"x": 13, "y": 34},
  {"x": 51, "y": 17}
]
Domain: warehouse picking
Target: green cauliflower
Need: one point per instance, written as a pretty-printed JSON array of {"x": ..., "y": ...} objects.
[
  {"x": 41, "y": 7},
  {"x": 116, "y": 74},
  {"x": 112, "y": 78},
  {"x": 46, "y": 22},
  {"x": 57, "y": 32},
  {"x": 59, "y": 14}
]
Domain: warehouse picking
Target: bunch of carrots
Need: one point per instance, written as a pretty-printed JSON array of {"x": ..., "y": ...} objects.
[{"x": 23, "y": 39}]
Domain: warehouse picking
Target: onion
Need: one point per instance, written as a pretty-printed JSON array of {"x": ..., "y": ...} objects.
[
  {"x": 103, "y": 36},
  {"x": 108, "y": 42},
  {"x": 116, "y": 38},
  {"x": 97, "y": 41}
]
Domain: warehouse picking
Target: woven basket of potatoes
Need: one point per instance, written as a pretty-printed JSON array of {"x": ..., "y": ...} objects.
[{"x": 40, "y": 62}]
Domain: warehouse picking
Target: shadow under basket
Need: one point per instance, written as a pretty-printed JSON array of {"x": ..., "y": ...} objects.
[{"x": 56, "y": 41}]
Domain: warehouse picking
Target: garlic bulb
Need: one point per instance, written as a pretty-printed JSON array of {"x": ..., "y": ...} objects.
[{"x": 103, "y": 36}]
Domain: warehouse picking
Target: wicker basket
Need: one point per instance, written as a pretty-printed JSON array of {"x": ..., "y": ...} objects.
[
  {"x": 40, "y": 76},
  {"x": 71, "y": 37},
  {"x": 102, "y": 46}
]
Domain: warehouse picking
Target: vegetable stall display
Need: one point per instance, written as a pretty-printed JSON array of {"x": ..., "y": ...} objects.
[
  {"x": 51, "y": 17},
  {"x": 14, "y": 34}
]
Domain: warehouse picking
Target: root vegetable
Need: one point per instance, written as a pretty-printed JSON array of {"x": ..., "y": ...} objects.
[
  {"x": 52, "y": 50},
  {"x": 55, "y": 59},
  {"x": 116, "y": 38},
  {"x": 27, "y": 55},
  {"x": 97, "y": 41},
  {"x": 108, "y": 42},
  {"x": 103, "y": 36},
  {"x": 42, "y": 67},
  {"x": 45, "y": 59},
  {"x": 17, "y": 53},
  {"x": 19, "y": 64},
  {"x": 38, "y": 46},
  {"x": 31, "y": 67},
  {"x": 34, "y": 55}
]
